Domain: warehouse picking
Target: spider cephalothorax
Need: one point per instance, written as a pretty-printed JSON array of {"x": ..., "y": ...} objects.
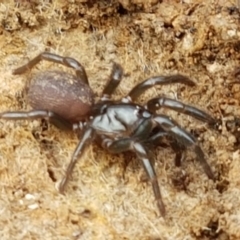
[{"x": 119, "y": 126}]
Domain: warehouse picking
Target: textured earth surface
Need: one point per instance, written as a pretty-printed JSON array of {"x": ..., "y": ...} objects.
[{"x": 103, "y": 200}]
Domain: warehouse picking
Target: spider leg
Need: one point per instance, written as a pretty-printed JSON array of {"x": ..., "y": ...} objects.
[
  {"x": 178, "y": 148},
  {"x": 159, "y": 102},
  {"x": 115, "y": 78},
  {"x": 126, "y": 144},
  {"x": 87, "y": 137},
  {"x": 55, "y": 119},
  {"x": 66, "y": 61},
  {"x": 156, "y": 136},
  {"x": 158, "y": 80},
  {"x": 184, "y": 138}
]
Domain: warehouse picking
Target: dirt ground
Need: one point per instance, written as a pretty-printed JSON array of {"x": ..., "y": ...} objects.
[{"x": 103, "y": 201}]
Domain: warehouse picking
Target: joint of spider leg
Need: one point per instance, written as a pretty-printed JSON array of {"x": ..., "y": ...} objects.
[
  {"x": 157, "y": 106},
  {"x": 126, "y": 99},
  {"x": 71, "y": 62},
  {"x": 117, "y": 71},
  {"x": 140, "y": 150},
  {"x": 78, "y": 126},
  {"x": 106, "y": 143},
  {"x": 49, "y": 115},
  {"x": 105, "y": 97}
]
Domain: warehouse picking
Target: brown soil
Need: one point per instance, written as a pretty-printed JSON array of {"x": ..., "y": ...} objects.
[{"x": 197, "y": 38}]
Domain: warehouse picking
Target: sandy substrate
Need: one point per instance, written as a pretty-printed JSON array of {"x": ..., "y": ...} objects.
[{"x": 102, "y": 201}]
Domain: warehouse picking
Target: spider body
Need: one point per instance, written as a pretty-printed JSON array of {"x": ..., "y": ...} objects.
[{"x": 119, "y": 126}]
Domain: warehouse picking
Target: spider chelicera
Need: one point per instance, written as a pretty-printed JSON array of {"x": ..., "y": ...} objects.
[{"x": 67, "y": 101}]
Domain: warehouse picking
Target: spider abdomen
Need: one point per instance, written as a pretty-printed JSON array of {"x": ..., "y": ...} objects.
[{"x": 61, "y": 93}]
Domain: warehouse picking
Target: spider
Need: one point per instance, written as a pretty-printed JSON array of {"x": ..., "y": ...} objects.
[{"x": 67, "y": 101}]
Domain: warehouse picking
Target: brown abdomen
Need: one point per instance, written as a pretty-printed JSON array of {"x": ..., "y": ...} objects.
[{"x": 61, "y": 93}]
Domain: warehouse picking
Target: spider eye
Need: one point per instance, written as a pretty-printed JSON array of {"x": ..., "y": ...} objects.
[{"x": 140, "y": 112}]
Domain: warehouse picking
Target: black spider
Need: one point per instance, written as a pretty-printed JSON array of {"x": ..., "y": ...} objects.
[{"x": 68, "y": 101}]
